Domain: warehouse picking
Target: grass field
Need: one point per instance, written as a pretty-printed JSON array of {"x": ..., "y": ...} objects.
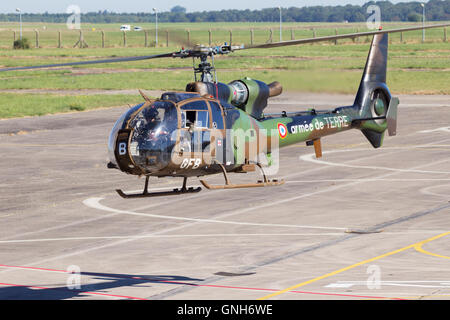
[
  {"x": 414, "y": 67},
  {"x": 198, "y": 33}
]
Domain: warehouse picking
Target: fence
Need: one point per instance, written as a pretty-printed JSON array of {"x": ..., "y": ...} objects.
[{"x": 166, "y": 38}]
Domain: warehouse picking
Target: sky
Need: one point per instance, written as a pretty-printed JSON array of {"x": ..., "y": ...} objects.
[{"x": 60, "y": 6}]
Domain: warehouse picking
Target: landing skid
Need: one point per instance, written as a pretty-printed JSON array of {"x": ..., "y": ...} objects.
[
  {"x": 146, "y": 194},
  {"x": 228, "y": 185}
]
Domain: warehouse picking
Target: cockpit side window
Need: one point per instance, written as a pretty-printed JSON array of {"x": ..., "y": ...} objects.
[
  {"x": 190, "y": 117},
  {"x": 199, "y": 119},
  {"x": 195, "y": 116},
  {"x": 202, "y": 120},
  {"x": 195, "y": 113}
]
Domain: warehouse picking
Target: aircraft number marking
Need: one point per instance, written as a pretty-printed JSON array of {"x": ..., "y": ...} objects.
[
  {"x": 188, "y": 162},
  {"x": 122, "y": 148}
]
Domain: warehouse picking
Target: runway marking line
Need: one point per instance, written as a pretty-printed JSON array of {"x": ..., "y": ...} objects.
[
  {"x": 414, "y": 245},
  {"x": 427, "y": 191},
  {"x": 419, "y": 248},
  {"x": 310, "y": 157},
  {"x": 177, "y": 282},
  {"x": 95, "y": 204},
  {"x": 328, "y": 190}
]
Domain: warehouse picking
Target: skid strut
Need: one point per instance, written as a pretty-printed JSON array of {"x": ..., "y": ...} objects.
[
  {"x": 146, "y": 194},
  {"x": 228, "y": 185}
]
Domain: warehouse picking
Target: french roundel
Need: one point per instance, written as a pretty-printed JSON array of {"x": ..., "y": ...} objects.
[{"x": 282, "y": 130}]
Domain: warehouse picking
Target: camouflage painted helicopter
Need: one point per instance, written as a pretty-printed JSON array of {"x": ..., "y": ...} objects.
[{"x": 213, "y": 127}]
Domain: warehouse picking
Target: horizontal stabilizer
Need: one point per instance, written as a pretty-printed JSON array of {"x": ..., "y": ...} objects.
[
  {"x": 391, "y": 116},
  {"x": 375, "y": 138}
]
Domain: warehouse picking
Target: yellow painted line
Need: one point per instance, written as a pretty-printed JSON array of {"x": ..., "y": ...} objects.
[
  {"x": 353, "y": 266},
  {"x": 419, "y": 248}
]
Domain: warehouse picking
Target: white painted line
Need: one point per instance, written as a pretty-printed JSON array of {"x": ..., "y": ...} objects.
[
  {"x": 428, "y": 192},
  {"x": 364, "y": 180},
  {"x": 412, "y": 283},
  {"x": 423, "y": 105},
  {"x": 95, "y": 204},
  {"x": 182, "y": 226},
  {"x": 443, "y": 129},
  {"x": 213, "y": 235},
  {"x": 311, "y": 158},
  {"x": 90, "y": 220},
  {"x": 339, "y": 285}
]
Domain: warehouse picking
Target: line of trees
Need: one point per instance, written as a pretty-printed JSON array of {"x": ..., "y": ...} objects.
[{"x": 407, "y": 11}]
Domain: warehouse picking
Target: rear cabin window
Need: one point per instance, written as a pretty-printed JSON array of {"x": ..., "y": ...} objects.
[{"x": 216, "y": 115}]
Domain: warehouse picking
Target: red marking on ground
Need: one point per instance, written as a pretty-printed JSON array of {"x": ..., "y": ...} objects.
[
  {"x": 31, "y": 268},
  {"x": 186, "y": 284},
  {"x": 303, "y": 292}
]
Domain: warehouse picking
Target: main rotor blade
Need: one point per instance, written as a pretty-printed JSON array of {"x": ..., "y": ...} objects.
[
  {"x": 112, "y": 60},
  {"x": 336, "y": 37}
]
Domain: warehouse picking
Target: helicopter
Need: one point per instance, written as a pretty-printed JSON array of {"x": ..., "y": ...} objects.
[{"x": 213, "y": 127}]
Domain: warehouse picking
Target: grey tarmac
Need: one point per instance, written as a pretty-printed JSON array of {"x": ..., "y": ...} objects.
[{"x": 359, "y": 223}]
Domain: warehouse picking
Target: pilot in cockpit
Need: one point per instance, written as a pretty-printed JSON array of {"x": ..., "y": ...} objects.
[
  {"x": 151, "y": 115},
  {"x": 170, "y": 120}
]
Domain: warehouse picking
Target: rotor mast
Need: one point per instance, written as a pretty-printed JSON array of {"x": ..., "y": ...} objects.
[{"x": 205, "y": 70}]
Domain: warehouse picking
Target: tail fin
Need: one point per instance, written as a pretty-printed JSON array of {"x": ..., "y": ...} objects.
[{"x": 373, "y": 99}]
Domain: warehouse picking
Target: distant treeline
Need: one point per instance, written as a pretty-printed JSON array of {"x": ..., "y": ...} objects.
[{"x": 411, "y": 11}]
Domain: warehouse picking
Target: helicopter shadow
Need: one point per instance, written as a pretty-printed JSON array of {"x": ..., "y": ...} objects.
[{"x": 99, "y": 290}]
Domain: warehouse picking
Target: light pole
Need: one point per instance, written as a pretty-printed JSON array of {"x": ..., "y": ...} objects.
[
  {"x": 281, "y": 36},
  {"x": 20, "y": 20},
  {"x": 156, "y": 23},
  {"x": 423, "y": 21}
]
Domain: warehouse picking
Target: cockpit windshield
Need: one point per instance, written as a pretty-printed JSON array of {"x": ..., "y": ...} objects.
[
  {"x": 120, "y": 124},
  {"x": 153, "y": 135}
]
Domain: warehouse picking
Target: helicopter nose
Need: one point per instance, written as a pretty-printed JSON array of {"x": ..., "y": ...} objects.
[{"x": 112, "y": 164}]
